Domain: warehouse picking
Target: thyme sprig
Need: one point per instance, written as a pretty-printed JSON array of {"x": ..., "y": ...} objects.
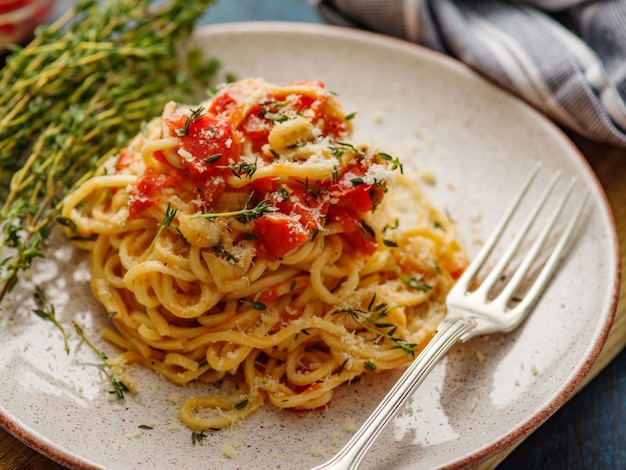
[
  {"x": 193, "y": 118},
  {"x": 414, "y": 282},
  {"x": 167, "y": 221},
  {"x": 197, "y": 436},
  {"x": 119, "y": 388},
  {"x": 46, "y": 310},
  {"x": 243, "y": 215},
  {"x": 72, "y": 98},
  {"x": 241, "y": 169},
  {"x": 372, "y": 319}
]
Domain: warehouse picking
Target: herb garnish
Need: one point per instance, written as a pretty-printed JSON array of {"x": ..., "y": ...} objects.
[
  {"x": 167, "y": 221},
  {"x": 197, "y": 437},
  {"x": 119, "y": 388},
  {"x": 241, "y": 405},
  {"x": 193, "y": 118},
  {"x": 46, "y": 310},
  {"x": 243, "y": 215},
  {"x": 416, "y": 283},
  {"x": 254, "y": 305},
  {"x": 372, "y": 319},
  {"x": 394, "y": 161},
  {"x": 221, "y": 252},
  {"x": 243, "y": 168}
]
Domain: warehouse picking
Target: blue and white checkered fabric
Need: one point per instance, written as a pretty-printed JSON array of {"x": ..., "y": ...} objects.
[{"x": 566, "y": 58}]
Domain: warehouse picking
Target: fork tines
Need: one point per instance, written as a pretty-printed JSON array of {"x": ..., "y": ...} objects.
[{"x": 544, "y": 211}]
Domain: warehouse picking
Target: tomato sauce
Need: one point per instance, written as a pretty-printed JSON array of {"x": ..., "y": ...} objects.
[{"x": 210, "y": 146}]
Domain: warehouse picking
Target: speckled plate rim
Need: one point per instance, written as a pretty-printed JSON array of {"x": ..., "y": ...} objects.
[{"x": 51, "y": 449}]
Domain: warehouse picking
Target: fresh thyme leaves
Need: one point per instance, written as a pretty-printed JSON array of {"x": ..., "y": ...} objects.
[
  {"x": 145, "y": 426},
  {"x": 372, "y": 319},
  {"x": 270, "y": 110},
  {"x": 221, "y": 252},
  {"x": 282, "y": 194},
  {"x": 194, "y": 117},
  {"x": 393, "y": 226},
  {"x": 119, "y": 388},
  {"x": 341, "y": 148},
  {"x": 212, "y": 158},
  {"x": 390, "y": 243},
  {"x": 243, "y": 215},
  {"x": 395, "y": 162},
  {"x": 241, "y": 405},
  {"x": 181, "y": 236},
  {"x": 414, "y": 282},
  {"x": 167, "y": 221},
  {"x": 350, "y": 116},
  {"x": 241, "y": 169},
  {"x": 314, "y": 189},
  {"x": 343, "y": 366},
  {"x": 369, "y": 366},
  {"x": 368, "y": 232},
  {"x": 46, "y": 310},
  {"x": 74, "y": 96},
  {"x": 197, "y": 437},
  {"x": 69, "y": 223},
  {"x": 254, "y": 305}
]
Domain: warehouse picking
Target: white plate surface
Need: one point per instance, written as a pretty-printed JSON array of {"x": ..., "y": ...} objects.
[{"x": 437, "y": 116}]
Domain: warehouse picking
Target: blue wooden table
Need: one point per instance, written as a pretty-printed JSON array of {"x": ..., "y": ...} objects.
[{"x": 590, "y": 431}]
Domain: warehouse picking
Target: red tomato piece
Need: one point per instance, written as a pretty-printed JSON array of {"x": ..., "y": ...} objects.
[
  {"x": 210, "y": 190},
  {"x": 208, "y": 141},
  {"x": 265, "y": 186},
  {"x": 125, "y": 159},
  {"x": 256, "y": 129},
  {"x": 354, "y": 194},
  {"x": 279, "y": 233},
  {"x": 146, "y": 193},
  {"x": 353, "y": 228}
]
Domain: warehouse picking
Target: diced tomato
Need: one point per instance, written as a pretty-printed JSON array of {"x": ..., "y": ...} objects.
[
  {"x": 256, "y": 129},
  {"x": 299, "y": 389},
  {"x": 353, "y": 228},
  {"x": 265, "y": 186},
  {"x": 210, "y": 142},
  {"x": 225, "y": 103},
  {"x": 334, "y": 125},
  {"x": 356, "y": 195},
  {"x": 210, "y": 190},
  {"x": 301, "y": 204},
  {"x": 146, "y": 193},
  {"x": 268, "y": 295},
  {"x": 279, "y": 233},
  {"x": 160, "y": 157},
  {"x": 125, "y": 160}
]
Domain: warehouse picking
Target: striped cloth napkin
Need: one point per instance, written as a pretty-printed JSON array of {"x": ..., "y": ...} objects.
[{"x": 566, "y": 58}]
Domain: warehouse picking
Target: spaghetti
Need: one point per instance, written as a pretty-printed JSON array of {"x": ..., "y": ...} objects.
[{"x": 248, "y": 241}]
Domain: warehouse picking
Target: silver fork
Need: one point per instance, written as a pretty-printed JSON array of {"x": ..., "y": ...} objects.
[{"x": 476, "y": 312}]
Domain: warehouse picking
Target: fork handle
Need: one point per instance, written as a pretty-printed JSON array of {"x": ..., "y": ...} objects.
[{"x": 350, "y": 456}]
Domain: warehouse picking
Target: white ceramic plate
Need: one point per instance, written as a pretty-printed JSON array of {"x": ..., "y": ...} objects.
[{"x": 437, "y": 116}]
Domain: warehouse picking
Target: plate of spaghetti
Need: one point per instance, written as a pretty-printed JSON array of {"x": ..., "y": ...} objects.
[{"x": 251, "y": 273}]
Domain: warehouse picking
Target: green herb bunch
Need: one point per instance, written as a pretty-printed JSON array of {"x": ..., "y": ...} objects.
[{"x": 74, "y": 95}]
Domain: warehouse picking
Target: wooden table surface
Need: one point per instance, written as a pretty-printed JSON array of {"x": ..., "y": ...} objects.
[{"x": 609, "y": 164}]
